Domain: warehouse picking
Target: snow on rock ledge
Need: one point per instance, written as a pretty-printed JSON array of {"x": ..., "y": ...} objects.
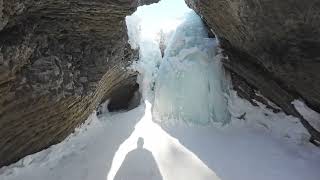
[
  {"x": 310, "y": 115},
  {"x": 277, "y": 124}
]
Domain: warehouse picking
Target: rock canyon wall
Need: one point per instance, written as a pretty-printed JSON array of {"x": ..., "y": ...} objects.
[{"x": 58, "y": 60}]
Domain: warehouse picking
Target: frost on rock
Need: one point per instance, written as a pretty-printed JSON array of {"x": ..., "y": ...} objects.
[
  {"x": 134, "y": 29},
  {"x": 310, "y": 115},
  {"x": 260, "y": 117}
]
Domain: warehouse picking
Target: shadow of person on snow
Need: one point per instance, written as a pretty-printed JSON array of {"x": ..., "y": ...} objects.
[{"x": 139, "y": 164}]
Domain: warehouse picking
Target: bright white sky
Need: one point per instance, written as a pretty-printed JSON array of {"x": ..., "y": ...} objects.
[{"x": 166, "y": 15}]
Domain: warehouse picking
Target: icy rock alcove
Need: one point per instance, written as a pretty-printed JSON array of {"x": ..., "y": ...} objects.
[{"x": 186, "y": 85}]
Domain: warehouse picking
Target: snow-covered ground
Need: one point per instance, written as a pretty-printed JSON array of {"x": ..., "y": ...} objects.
[
  {"x": 188, "y": 127},
  {"x": 181, "y": 152}
]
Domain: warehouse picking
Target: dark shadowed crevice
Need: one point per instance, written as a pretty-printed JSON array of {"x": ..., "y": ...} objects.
[{"x": 125, "y": 98}]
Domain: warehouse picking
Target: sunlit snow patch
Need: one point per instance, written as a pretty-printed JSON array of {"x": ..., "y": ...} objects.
[{"x": 174, "y": 160}]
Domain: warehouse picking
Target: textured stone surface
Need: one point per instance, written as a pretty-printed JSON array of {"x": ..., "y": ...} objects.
[
  {"x": 273, "y": 45},
  {"x": 58, "y": 60}
]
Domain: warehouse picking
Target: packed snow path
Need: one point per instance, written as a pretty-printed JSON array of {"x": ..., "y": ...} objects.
[
  {"x": 184, "y": 129},
  {"x": 97, "y": 151}
]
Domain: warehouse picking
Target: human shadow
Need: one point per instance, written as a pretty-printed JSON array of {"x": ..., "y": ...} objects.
[{"x": 139, "y": 164}]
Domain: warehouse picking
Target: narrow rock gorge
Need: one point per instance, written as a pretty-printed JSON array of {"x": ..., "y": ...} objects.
[
  {"x": 58, "y": 60},
  {"x": 159, "y": 90},
  {"x": 272, "y": 46}
]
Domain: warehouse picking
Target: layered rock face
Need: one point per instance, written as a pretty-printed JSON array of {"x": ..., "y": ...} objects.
[
  {"x": 272, "y": 46},
  {"x": 58, "y": 60}
]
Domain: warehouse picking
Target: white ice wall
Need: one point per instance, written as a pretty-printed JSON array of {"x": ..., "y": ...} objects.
[{"x": 189, "y": 82}]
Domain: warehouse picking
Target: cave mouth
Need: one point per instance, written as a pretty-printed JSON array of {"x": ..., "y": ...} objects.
[{"x": 124, "y": 99}]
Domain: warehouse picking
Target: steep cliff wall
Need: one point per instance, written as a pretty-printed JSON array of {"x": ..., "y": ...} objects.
[
  {"x": 58, "y": 60},
  {"x": 273, "y": 46}
]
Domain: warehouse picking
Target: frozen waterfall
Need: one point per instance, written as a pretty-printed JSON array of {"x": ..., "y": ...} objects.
[{"x": 186, "y": 84}]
